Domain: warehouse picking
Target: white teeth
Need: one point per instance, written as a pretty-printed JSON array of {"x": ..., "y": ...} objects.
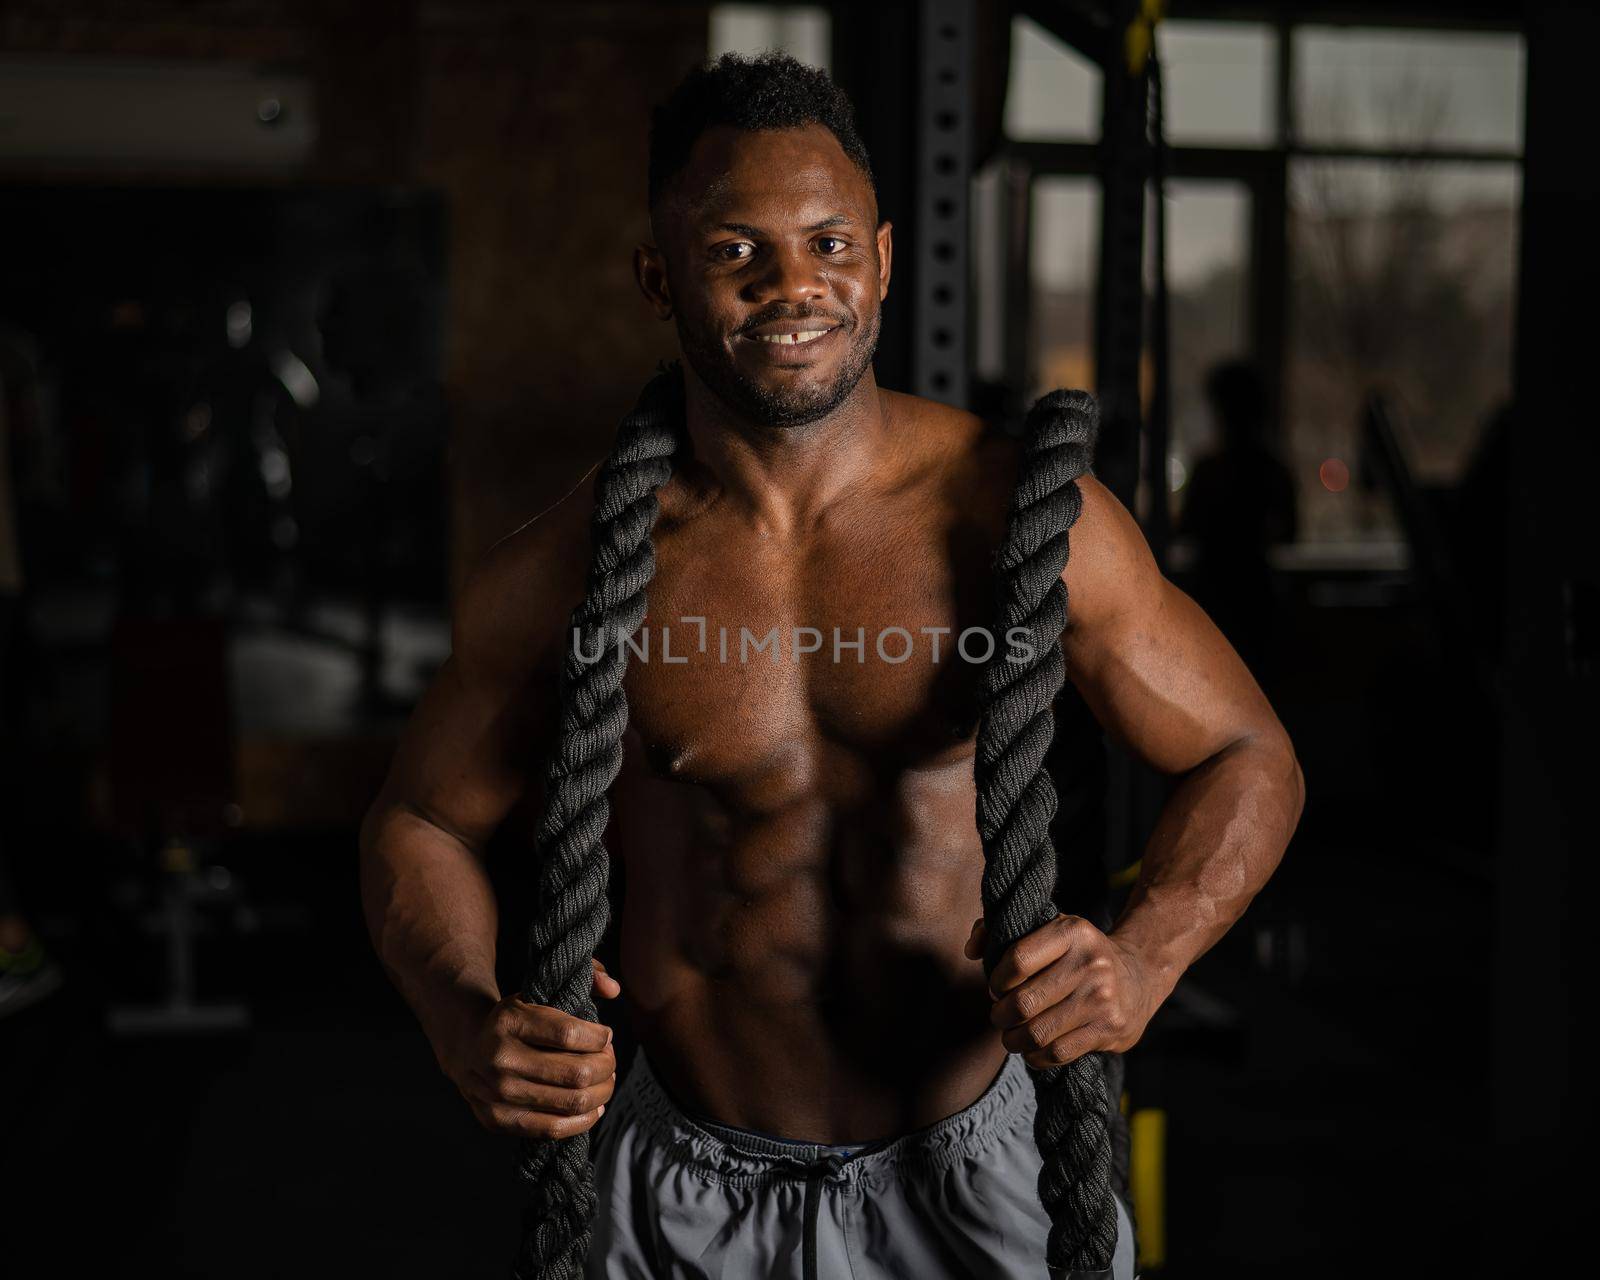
[{"x": 791, "y": 338}]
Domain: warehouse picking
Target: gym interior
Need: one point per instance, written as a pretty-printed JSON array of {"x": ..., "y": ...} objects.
[{"x": 304, "y": 307}]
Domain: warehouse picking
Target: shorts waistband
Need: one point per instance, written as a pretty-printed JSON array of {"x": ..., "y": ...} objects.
[{"x": 739, "y": 1157}]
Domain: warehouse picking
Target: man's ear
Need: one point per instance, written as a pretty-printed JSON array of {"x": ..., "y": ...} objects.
[
  {"x": 650, "y": 270},
  {"x": 885, "y": 256}
]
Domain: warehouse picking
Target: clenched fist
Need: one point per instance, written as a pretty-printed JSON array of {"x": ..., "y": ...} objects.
[
  {"x": 1067, "y": 989},
  {"x": 533, "y": 1071}
]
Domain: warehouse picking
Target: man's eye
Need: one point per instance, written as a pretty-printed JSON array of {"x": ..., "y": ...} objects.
[
  {"x": 729, "y": 252},
  {"x": 826, "y": 240}
]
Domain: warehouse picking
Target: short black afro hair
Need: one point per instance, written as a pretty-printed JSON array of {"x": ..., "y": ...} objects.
[{"x": 770, "y": 91}]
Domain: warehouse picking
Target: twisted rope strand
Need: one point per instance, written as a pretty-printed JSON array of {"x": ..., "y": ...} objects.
[
  {"x": 1017, "y": 800},
  {"x": 574, "y": 867}
]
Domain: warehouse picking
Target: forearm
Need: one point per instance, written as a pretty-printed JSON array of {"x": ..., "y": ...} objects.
[
  {"x": 432, "y": 917},
  {"x": 1220, "y": 835}
]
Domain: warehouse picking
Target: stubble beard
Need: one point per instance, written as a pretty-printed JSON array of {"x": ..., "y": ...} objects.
[{"x": 785, "y": 406}]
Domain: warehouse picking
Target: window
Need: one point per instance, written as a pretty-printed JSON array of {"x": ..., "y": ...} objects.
[
  {"x": 1396, "y": 156},
  {"x": 1220, "y": 83},
  {"x": 1062, "y": 255},
  {"x": 1402, "y": 281},
  {"x": 1408, "y": 89},
  {"x": 1208, "y": 286},
  {"x": 987, "y": 249},
  {"x": 801, "y": 30},
  {"x": 1054, "y": 92}
]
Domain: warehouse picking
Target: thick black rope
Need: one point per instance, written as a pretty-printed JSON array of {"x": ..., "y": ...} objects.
[
  {"x": 1017, "y": 800},
  {"x": 574, "y": 868}
]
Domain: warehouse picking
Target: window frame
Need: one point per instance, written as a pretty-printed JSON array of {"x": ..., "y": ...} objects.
[{"x": 1263, "y": 170}]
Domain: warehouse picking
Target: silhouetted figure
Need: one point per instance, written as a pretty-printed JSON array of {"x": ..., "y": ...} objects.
[
  {"x": 1475, "y": 518},
  {"x": 1240, "y": 501}
]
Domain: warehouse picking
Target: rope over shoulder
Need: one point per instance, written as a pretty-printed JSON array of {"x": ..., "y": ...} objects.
[
  {"x": 1017, "y": 800},
  {"x": 574, "y": 867}
]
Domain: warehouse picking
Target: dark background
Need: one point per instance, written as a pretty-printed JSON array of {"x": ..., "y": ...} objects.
[{"x": 303, "y": 306}]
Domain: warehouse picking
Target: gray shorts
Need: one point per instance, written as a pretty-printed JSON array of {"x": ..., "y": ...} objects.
[{"x": 689, "y": 1200}]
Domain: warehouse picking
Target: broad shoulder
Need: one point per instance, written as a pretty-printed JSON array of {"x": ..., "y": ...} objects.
[
  {"x": 937, "y": 426},
  {"x": 514, "y": 605},
  {"x": 1110, "y": 570},
  {"x": 972, "y": 461}
]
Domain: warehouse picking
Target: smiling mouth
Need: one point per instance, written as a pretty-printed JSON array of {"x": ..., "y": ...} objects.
[{"x": 790, "y": 339}]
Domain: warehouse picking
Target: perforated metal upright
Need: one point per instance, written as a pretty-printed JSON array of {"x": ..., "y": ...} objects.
[{"x": 940, "y": 282}]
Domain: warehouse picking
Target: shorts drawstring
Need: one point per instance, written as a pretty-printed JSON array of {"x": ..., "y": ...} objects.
[{"x": 819, "y": 1171}]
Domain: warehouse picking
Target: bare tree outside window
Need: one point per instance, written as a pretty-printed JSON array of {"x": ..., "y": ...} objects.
[{"x": 1401, "y": 281}]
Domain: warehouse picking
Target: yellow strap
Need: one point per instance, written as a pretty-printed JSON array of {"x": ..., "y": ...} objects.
[
  {"x": 1140, "y": 35},
  {"x": 1122, "y": 879},
  {"x": 1147, "y": 1178}
]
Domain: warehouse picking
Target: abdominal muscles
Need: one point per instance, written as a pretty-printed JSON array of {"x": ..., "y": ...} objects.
[{"x": 819, "y": 937}]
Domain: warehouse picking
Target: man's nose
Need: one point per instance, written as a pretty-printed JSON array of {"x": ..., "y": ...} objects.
[{"x": 791, "y": 275}]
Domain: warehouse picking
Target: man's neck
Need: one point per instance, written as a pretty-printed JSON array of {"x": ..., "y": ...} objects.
[{"x": 787, "y": 476}]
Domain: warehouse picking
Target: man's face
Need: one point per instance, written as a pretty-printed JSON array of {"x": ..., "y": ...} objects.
[{"x": 773, "y": 266}]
